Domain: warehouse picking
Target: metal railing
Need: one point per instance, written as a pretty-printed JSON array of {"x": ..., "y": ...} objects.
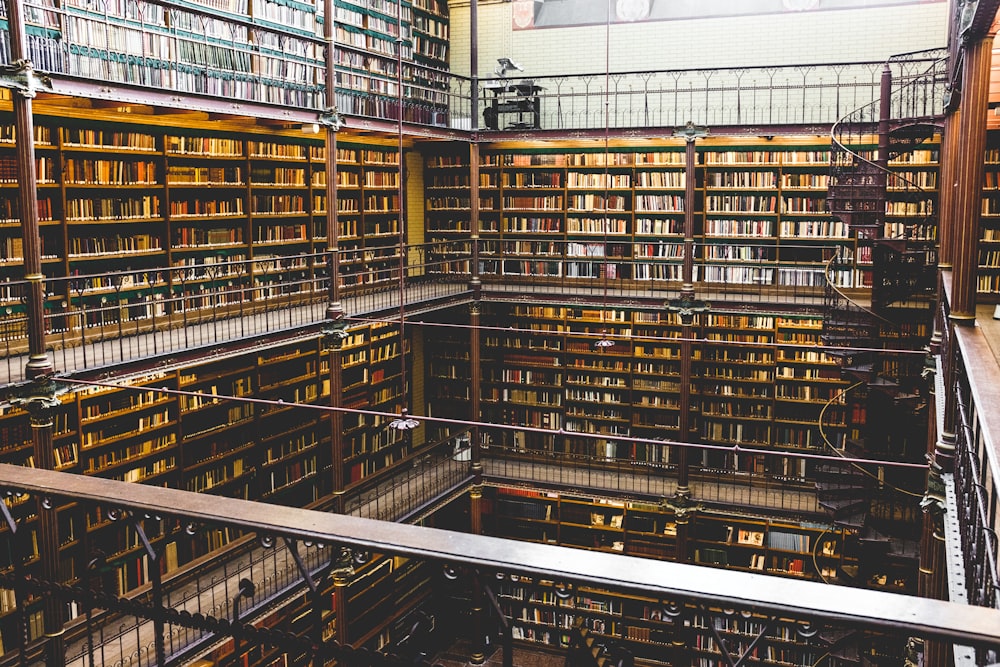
[
  {"x": 97, "y": 320},
  {"x": 94, "y": 321},
  {"x": 392, "y": 495},
  {"x": 977, "y": 462},
  {"x": 213, "y": 58},
  {"x": 585, "y": 270},
  {"x": 420, "y": 479},
  {"x": 686, "y": 592},
  {"x": 774, "y": 480},
  {"x": 102, "y": 319},
  {"x": 130, "y": 641},
  {"x": 737, "y": 96}
]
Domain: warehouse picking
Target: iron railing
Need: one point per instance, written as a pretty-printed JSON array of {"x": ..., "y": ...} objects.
[
  {"x": 977, "y": 463},
  {"x": 93, "y": 321},
  {"x": 97, "y": 320},
  {"x": 738, "y": 96},
  {"x": 213, "y": 58},
  {"x": 775, "y": 480},
  {"x": 391, "y": 495},
  {"x": 821, "y": 618}
]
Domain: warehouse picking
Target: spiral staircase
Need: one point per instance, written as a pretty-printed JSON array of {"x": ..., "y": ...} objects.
[{"x": 871, "y": 199}]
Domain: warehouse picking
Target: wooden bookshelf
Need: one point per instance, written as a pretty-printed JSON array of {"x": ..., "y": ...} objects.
[
  {"x": 633, "y": 527},
  {"x": 567, "y": 212},
  {"x": 141, "y": 213},
  {"x": 369, "y": 36},
  {"x": 989, "y": 236},
  {"x": 775, "y": 546},
  {"x": 759, "y": 380},
  {"x": 263, "y": 51}
]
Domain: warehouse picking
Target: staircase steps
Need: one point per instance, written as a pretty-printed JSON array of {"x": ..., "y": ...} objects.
[
  {"x": 850, "y": 509},
  {"x": 874, "y": 544},
  {"x": 843, "y": 491}
]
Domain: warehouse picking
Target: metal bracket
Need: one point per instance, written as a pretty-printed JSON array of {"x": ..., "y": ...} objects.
[
  {"x": 686, "y": 306},
  {"x": 690, "y": 131},
  {"x": 335, "y": 331},
  {"x": 681, "y": 505},
  {"x": 39, "y": 397},
  {"x": 331, "y": 118},
  {"x": 20, "y": 76}
]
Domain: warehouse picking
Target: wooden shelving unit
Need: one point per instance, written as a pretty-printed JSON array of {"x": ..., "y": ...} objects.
[
  {"x": 989, "y": 235},
  {"x": 759, "y": 380}
]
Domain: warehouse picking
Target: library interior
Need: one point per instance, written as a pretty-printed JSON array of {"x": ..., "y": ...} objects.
[{"x": 409, "y": 332}]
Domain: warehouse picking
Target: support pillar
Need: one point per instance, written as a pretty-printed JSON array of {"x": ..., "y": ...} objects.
[
  {"x": 947, "y": 186},
  {"x": 968, "y": 173},
  {"x": 336, "y": 326},
  {"x": 335, "y": 338},
  {"x": 477, "y": 610},
  {"x": 341, "y": 579},
  {"x": 39, "y": 364},
  {"x": 42, "y": 396},
  {"x": 686, "y": 306},
  {"x": 40, "y": 409},
  {"x": 475, "y": 438},
  {"x": 478, "y": 613}
]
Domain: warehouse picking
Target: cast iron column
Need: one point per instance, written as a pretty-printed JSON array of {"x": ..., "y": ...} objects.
[
  {"x": 42, "y": 400},
  {"x": 341, "y": 580},
  {"x": 969, "y": 177},
  {"x": 335, "y": 331},
  {"x": 478, "y": 656},
  {"x": 946, "y": 198},
  {"x": 39, "y": 364},
  {"x": 686, "y": 306},
  {"x": 335, "y": 338},
  {"x": 884, "y": 118}
]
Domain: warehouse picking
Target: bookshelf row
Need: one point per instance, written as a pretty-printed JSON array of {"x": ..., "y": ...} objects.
[
  {"x": 266, "y": 197},
  {"x": 188, "y": 429},
  {"x": 758, "y": 379},
  {"x": 647, "y": 529},
  {"x": 262, "y": 50},
  {"x": 760, "y": 213},
  {"x": 142, "y": 197},
  {"x": 988, "y": 275}
]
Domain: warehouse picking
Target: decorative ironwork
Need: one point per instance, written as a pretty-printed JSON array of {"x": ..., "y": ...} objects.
[
  {"x": 686, "y": 307},
  {"x": 21, "y": 77},
  {"x": 332, "y": 119}
]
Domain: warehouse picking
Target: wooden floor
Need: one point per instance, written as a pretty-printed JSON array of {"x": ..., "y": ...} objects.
[{"x": 990, "y": 327}]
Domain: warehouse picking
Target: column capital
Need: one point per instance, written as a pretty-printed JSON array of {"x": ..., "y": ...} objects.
[
  {"x": 40, "y": 398},
  {"x": 21, "y": 78}
]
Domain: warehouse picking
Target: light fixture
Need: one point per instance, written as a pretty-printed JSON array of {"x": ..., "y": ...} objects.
[
  {"x": 404, "y": 422},
  {"x": 604, "y": 341},
  {"x": 505, "y": 65}
]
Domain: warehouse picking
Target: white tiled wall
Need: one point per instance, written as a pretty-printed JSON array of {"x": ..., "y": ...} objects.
[{"x": 870, "y": 34}]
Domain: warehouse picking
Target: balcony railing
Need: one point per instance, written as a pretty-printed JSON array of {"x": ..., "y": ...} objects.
[
  {"x": 158, "y": 46},
  {"x": 977, "y": 458},
  {"x": 972, "y": 504},
  {"x": 98, "y": 320},
  {"x": 815, "y": 614}
]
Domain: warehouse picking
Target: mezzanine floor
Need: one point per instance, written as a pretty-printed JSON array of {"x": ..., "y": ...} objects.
[{"x": 139, "y": 345}]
